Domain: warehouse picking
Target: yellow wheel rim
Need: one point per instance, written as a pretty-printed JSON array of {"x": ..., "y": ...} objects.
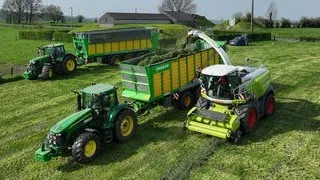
[
  {"x": 126, "y": 126},
  {"x": 117, "y": 60},
  {"x": 50, "y": 73},
  {"x": 70, "y": 65},
  {"x": 90, "y": 148},
  {"x": 187, "y": 101}
]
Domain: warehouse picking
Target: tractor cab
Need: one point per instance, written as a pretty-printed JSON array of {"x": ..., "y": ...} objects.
[
  {"x": 98, "y": 97},
  {"x": 55, "y": 50},
  {"x": 220, "y": 81}
]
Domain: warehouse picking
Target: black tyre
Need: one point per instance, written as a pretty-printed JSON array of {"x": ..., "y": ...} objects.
[
  {"x": 269, "y": 106},
  {"x": 141, "y": 53},
  {"x": 236, "y": 137},
  {"x": 47, "y": 72},
  {"x": 128, "y": 56},
  {"x": 86, "y": 147},
  {"x": 125, "y": 125},
  {"x": 186, "y": 100},
  {"x": 69, "y": 64},
  {"x": 250, "y": 120},
  {"x": 203, "y": 103},
  {"x": 115, "y": 60}
]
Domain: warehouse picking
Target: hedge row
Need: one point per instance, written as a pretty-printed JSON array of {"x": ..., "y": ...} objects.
[
  {"x": 63, "y": 36},
  {"x": 36, "y": 34},
  {"x": 251, "y": 36},
  {"x": 46, "y": 35}
]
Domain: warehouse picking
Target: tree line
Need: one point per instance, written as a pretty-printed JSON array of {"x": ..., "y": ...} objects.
[{"x": 28, "y": 11}]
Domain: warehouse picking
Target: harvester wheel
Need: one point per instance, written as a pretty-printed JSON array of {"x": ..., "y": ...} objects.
[
  {"x": 269, "y": 105},
  {"x": 86, "y": 147},
  {"x": 236, "y": 137},
  {"x": 47, "y": 72},
  {"x": 186, "y": 100},
  {"x": 249, "y": 122},
  {"x": 115, "y": 60},
  {"x": 69, "y": 64},
  {"x": 203, "y": 103},
  {"x": 125, "y": 125}
]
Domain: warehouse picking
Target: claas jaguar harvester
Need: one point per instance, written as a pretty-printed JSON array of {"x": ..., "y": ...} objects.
[
  {"x": 100, "y": 118},
  {"x": 233, "y": 98}
]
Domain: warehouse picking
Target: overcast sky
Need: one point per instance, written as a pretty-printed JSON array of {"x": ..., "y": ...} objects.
[{"x": 212, "y": 9}]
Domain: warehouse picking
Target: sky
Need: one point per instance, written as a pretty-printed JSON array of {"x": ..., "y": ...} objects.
[{"x": 212, "y": 9}]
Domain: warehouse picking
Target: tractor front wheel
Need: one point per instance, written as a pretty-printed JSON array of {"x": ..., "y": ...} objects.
[
  {"x": 125, "y": 125},
  {"x": 269, "y": 105},
  {"x": 69, "y": 64},
  {"x": 86, "y": 147},
  {"x": 47, "y": 72},
  {"x": 250, "y": 121}
]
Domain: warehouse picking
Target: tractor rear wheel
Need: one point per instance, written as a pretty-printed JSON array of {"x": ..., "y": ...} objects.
[
  {"x": 269, "y": 105},
  {"x": 186, "y": 100},
  {"x": 250, "y": 120},
  {"x": 47, "y": 72},
  {"x": 86, "y": 147},
  {"x": 125, "y": 125},
  {"x": 69, "y": 64}
]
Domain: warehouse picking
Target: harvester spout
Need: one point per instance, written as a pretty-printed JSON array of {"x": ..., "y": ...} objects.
[{"x": 222, "y": 53}]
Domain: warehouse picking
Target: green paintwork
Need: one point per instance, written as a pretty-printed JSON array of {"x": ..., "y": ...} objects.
[
  {"x": 99, "y": 89},
  {"x": 100, "y": 118},
  {"x": 257, "y": 86},
  {"x": 70, "y": 121},
  {"x": 82, "y": 41},
  {"x": 140, "y": 78}
]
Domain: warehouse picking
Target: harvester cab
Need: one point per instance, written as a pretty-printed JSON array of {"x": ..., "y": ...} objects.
[
  {"x": 232, "y": 100},
  {"x": 52, "y": 59}
]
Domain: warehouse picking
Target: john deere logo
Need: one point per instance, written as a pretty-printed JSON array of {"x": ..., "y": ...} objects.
[{"x": 162, "y": 67}]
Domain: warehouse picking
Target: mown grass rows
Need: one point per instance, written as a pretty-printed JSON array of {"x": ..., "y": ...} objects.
[{"x": 285, "y": 145}]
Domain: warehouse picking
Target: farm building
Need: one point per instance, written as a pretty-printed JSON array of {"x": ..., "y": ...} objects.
[{"x": 110, "y": 19}]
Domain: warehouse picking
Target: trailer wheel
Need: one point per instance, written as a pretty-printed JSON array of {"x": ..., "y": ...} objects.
[
  {"x": 47, "y": 72},
  {"x": 115, "y": 60},
  {"x": 141, "y": 53},
  {"x": 86, "y": 147},
  {"x": 269, "y": 105},
  {"x": 186, "y": 100},
  {"x": 128, "y": 56},
  {"x": 250, "y": 120},
  {"x": 69, "y": 64},
  {"x": 125, "y": 125}
]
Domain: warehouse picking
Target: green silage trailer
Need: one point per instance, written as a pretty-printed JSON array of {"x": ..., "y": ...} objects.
[
  {"x": 170, "y": 82},
  {"x": 113, "y": 46}
]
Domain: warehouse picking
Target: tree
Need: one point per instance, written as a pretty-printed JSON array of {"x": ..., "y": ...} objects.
[
  {"x": 32, "y": 6},
  {"x": 80, "y": 19},
  {"x": 53, "y": 12},
  {"x": 271, "y": 13},
  {"x": 186, "y": 6},
  {"x": 237, "y": 15},
  {"x": 285, "y": 23},
  {"x": 14, "y": 10}
]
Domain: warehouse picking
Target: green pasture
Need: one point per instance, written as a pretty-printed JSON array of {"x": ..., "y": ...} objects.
[{"x": 285, "y": 146}]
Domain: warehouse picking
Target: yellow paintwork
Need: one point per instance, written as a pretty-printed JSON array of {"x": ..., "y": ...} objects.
[
  {"x": 70, "y": 65},
  {"x": 115, "y": 46},
  {"x": 149, "y": 43},
  {"x": 191, "y": 68},
  {"x": 166, "y": 81},
  {"x": 136, "y": 44},
  {"x": 183, "y": 72},
  {"x": 90, "y": 148},
  {"x": 157, "y": 84},
  {"x": 175, "y": 75},
  {"x": 99, "y": 48},
  {"x": 143, "y": 44},
  {"x": 129, "y": 45},
  {"x": 123, "y": 46},
  {"x": 92, "y": 49}
]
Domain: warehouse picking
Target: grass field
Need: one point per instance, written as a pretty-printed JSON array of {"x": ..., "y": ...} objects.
[{"x": 284, "y": 146}]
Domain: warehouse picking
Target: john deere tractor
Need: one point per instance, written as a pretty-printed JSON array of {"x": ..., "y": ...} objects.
[
  {"x": 99, "y": 119},
  {"x": 52, "y": 59},
  {"x": 233, "y": 99}
]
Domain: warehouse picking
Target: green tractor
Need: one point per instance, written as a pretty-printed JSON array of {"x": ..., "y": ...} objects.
[
  {"x": 52, "y": 59},
  {"x": 99, "y": 119},
  {"x": 233, "y": 99}
]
